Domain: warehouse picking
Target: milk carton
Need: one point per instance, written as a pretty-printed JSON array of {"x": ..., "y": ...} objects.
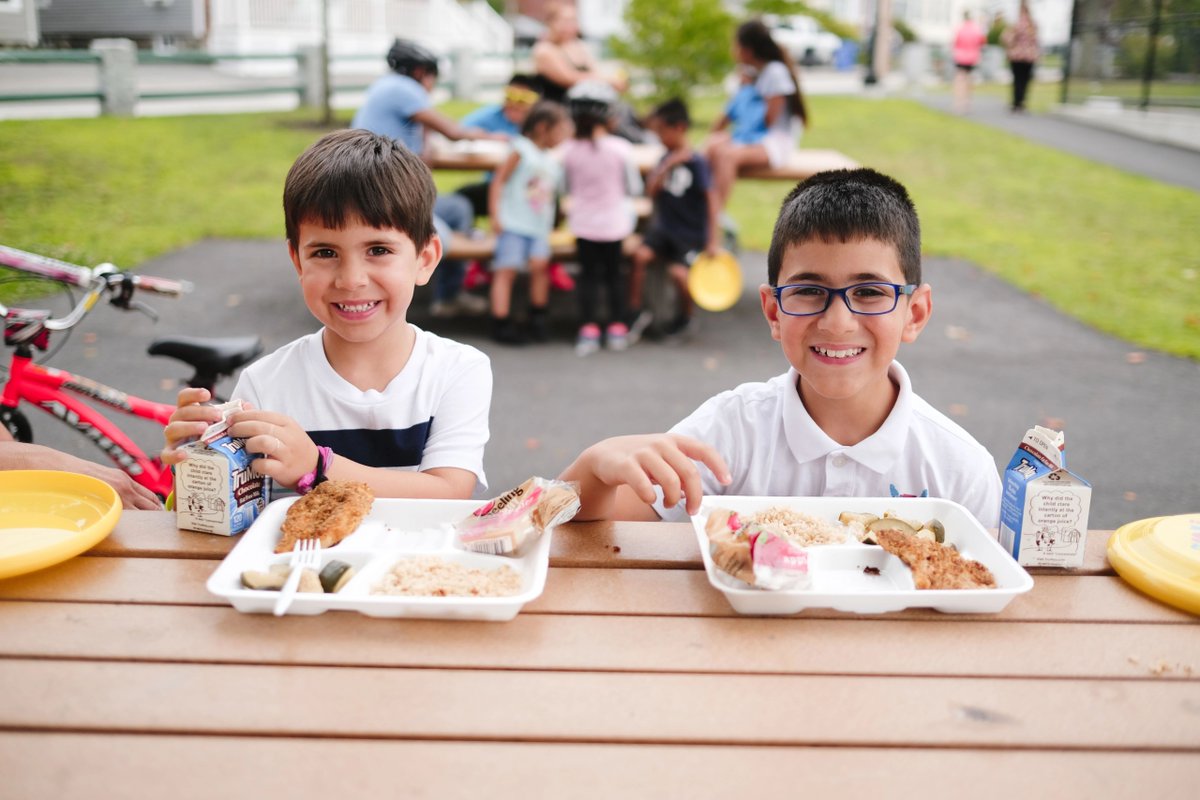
[
  {"x": 215, "y": 489},
  {"x": 1044, "y": 512}
]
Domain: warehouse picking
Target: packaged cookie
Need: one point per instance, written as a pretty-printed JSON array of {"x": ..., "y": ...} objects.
[{"x": 518, "y": 517}]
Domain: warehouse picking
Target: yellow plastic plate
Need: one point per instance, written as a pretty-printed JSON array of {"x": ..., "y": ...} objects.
[
  {"x": 715, "y": 282},
  {"x": 1161, "y": 557},
  {"x": 47, "y": 517}
]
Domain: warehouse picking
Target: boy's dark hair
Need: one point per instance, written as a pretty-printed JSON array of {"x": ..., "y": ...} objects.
[
  {"x": 544, "y": 112},
  {"x": 672, "y": 113},
  {"x": 526, "y": 81},
  {"x": 848, "y": 205},
  {"x": 356, "y": 173}
]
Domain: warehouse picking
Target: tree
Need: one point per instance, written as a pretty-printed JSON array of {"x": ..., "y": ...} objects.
[{"x": 682, "y": 44}]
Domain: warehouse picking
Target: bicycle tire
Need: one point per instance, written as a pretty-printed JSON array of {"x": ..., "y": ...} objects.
[{"x": 15, "y": 421}]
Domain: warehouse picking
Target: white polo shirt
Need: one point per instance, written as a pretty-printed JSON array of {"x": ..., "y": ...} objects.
[{"x": 773, "y": 448}]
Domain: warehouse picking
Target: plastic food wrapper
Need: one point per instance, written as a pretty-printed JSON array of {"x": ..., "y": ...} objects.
[
  {"x": 755, "y": 554},
  {"x": 778, "y": 563},
  {"x": 518, "y": 517}
]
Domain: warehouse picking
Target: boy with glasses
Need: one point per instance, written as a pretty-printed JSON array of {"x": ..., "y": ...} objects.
[{"x": 845, "y": 290}]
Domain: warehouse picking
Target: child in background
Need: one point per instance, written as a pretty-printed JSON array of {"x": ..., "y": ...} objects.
[
  {"x": 601, "y": 176},
  {"x": 507, "y": 118},
  {"x": 684, "y": 219},
  {"x": 369, "y": 397},
  {"x": 771, "y": 142},
  {"x": 844, "y": 291},
  {"x": 521, "y": 206}
]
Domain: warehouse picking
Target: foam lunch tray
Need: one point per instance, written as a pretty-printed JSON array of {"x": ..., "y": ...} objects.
[
  {"x": 839, "y": 577},
  {"x": 394, "y": 529}
]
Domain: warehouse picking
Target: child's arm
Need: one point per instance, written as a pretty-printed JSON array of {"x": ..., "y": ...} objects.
[
  {"x": 617, "y": 476},
  {"x": 659, "y": 176},
  {"x": 433, "y": 119},
  {"x": 496, "y": 188},
  {"x": 287, "y": 454},
  {"x": 188, "y": 422}
]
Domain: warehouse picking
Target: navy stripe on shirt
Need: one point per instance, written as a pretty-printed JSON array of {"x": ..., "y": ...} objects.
[{"x": 378, "y": 448}]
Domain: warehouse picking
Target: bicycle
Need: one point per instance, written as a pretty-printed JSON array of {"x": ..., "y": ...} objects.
[{"x": 58, "y": 392}]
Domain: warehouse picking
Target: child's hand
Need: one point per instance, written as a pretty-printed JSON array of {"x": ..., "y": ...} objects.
[
  {"x": 286, "y": 452},
  {"x": 643, "y": 462},
  {"x": 187, "y": 423}
]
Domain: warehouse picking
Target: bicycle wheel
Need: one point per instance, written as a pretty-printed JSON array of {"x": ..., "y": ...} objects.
[{"x": 14, "y": 422}]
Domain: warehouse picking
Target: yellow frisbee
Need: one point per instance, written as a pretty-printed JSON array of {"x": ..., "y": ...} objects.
[
  {"x": 48, "y": 516},
  {"x": 715, "y": 282},
  {"x": 1161, "y": 557}
]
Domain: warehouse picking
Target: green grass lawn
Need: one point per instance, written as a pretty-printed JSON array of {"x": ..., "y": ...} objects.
[{"x": 1114, "y": 250}]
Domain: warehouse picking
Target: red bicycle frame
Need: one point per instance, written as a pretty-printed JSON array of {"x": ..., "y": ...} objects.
[{"x": 57, "y": 393}]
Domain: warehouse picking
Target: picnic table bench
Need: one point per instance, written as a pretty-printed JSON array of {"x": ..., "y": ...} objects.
[{"x": 629, "y": 677}]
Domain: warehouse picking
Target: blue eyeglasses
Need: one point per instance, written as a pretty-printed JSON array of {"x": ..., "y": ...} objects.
[{"x": 870, "y": 299}]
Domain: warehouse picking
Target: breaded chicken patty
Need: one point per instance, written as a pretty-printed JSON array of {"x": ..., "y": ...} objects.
[{"x": 329, "y": 512}]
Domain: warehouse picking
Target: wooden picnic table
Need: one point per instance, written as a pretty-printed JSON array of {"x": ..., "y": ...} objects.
[
  {"x": 485, "y": 155},
  {"x": 630, "y": 677}
]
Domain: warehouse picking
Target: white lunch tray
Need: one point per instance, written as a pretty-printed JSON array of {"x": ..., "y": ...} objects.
[
  {"x": 394, "y": 529},
  {"x": 838, "y": 579}
]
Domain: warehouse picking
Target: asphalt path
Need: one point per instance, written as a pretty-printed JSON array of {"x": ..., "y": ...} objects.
[{"x": 993, "y": 358}]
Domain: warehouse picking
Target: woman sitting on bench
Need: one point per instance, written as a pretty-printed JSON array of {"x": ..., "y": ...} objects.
[{"x": 767, "y": 114}]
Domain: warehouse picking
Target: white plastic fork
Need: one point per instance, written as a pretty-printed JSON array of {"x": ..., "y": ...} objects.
[{"x": 306, "y": 554}]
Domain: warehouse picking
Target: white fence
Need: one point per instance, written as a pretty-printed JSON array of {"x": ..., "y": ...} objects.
[{"x": 356, "y": 27}]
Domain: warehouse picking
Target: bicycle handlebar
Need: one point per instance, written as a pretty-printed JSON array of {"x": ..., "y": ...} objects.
[{"x": 96, "y": 280}]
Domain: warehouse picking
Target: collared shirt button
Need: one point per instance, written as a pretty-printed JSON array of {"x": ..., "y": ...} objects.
[{"x": 840, "y": 460}]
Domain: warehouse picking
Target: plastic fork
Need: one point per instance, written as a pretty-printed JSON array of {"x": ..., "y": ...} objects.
[{"x": 306, "y": 554}]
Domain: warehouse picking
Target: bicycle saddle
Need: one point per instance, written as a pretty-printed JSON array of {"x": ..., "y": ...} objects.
[{"x": 213, "y": 356}]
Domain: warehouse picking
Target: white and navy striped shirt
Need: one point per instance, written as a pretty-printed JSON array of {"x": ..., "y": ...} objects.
[{"x": 434, "y": 413}]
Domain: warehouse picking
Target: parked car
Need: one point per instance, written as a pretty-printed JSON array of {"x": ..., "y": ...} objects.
[{"x": 803, "y": 38}]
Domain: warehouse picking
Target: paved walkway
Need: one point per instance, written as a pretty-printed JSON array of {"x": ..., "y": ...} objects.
[{"x": 1086, "y": 133}]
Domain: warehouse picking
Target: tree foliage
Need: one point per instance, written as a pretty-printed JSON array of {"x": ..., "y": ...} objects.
[{"x": 681, "y": 44}]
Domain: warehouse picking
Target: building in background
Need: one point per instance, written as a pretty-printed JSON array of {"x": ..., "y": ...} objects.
[{"x": 18, "y": 23}]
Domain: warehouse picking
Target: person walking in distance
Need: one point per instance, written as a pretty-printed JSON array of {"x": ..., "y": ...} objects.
[{"x": 1021, "y": 45}]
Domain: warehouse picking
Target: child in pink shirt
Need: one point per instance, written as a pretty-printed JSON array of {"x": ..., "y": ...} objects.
[{"x": 601, "y": 177}]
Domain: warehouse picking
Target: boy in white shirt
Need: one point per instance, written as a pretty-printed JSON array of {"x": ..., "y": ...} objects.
[
  {"x": 369, "y": 397},
  {"x": 844, "y": 291}
]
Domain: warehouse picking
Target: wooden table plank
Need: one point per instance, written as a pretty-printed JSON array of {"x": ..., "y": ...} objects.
[
  {"x": 643, "y": 545},
  {"x": 557, "y": 642},
  {"x": 64, "y": 765},
  {"x": 600, "y": 707},
  {"x": 658, "y": 592}
]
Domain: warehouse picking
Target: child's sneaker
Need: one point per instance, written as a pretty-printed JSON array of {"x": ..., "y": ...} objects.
[
  {"x": 505, "y": 331},
  {"x": 638, "y": 324},
  {"x": 472, "y": 304},
  {"x": 476, "y": 276},
  {"x": 588, "y": 341},
  {"x": 616, "y": 336},
  {"x": 559, "y": 278},
  {"x": 538, "y": 328}
]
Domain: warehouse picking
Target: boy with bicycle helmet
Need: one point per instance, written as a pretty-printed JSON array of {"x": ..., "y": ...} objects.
[
  {"x": 399, "y": 105},
  {"x": 369, "y": 397}
]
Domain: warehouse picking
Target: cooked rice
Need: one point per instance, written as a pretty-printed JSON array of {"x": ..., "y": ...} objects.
[
  {"x": 803, "y": 529},
  {"x": 430, "y": 576}
]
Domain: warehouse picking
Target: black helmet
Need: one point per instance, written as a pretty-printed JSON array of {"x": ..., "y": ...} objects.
[
  {"x": 592, "y": 97},
  {"x": 407, "y": 55}
]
